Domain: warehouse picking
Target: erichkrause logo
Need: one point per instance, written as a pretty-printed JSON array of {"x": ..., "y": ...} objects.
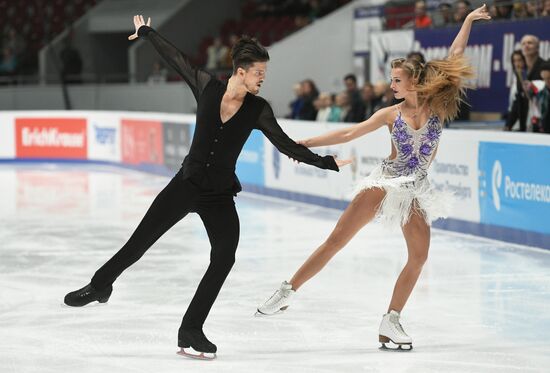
[
  {"x": 51, "y": 138},
  {"x": 496, "y": 182}
]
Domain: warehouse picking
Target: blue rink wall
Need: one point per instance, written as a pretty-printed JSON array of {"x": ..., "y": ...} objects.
[{"x": 501, "y": 180}]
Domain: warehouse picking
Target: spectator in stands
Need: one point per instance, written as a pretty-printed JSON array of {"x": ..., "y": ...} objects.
[
  {"x": 14, "y": 42},
  {"x": 530, "y": 49},
  {"x": 518, "y": 104},
  {"x": 503, "y": 9},
  {"x": 323, "y": 106},
  {"x": 314, "y": 10},
  {"x": 519, "y": 11},
  {"x": 462, "y": 8},
  {"x": 417, "y": 56},
  {"x": 228, "y": 62},
  {"x": 543, "y": 98},
  {"x": 71, "y": 62},
  {"x": 309, "y": 94},
  {"x": 421, "y": 18},
  {"x": 533, "y": 9},
  {"x": 8, "y": 65},
  {"x": 387, "y": 95},
  {"x": 158, "y": 74},
  {"x": 369, "y": 100},
  {"x": 335, "y": 110},
  {"x": 444, "y": 15},
  {"x": 343, "y": 103},
  {"x": 546, "y": 8},
  {"x": 216, "y": 54},
  {"x": 296, "y": 104},
  {"x": 357, "y": 108}
]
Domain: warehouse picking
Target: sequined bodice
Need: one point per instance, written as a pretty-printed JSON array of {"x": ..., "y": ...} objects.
[{"x": 414, "y": 148}]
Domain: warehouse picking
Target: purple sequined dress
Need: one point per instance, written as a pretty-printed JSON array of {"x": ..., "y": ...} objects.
[{"x": 404, "y": 178}]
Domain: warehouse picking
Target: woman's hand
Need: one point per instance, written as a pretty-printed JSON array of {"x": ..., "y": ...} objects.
[
  {"x": 342, "y": 162},
  {"x": 302, "y": 142},
  {"x": 138, "y": 22},
  {"x": 480, "y": 13}
]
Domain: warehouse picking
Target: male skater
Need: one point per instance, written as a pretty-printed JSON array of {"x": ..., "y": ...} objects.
[{"x": 206, "y": 182}]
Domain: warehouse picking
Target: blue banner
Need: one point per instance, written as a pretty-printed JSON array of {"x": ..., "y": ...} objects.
[
  {"x": 489, "y": 49},
  {"x": 250, "y": 165},
  {"x": 515, "y": 186}
]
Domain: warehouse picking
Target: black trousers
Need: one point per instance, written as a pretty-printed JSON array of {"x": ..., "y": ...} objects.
[
  {"x": 518, "y": 111},
  {"x": 219, "y": 216}
]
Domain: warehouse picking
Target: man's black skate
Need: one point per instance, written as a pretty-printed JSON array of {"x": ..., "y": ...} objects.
[
  {"x": 194, "y": 344},
  {"x": 88, "y": 294}
]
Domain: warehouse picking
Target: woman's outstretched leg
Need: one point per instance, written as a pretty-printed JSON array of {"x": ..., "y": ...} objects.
[{"x": 359, "y": 212}]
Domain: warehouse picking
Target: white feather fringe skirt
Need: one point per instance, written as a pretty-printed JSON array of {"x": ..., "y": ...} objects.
[{"x": 405, "y": 194}]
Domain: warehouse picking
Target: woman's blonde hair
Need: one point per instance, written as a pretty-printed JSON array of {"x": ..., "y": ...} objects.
[{"x": 440, "y": 84}]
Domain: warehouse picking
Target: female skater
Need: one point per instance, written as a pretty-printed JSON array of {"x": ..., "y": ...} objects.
[{"x": 397, "y": 191}]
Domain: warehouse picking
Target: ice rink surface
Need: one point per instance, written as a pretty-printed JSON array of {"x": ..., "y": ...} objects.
[{"x": 479, "y": 306}]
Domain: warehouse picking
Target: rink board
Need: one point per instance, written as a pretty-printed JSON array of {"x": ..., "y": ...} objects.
[{"x": 501, "y": 180}]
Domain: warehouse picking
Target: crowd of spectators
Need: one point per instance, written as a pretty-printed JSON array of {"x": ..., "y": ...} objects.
[
  {"x": 267, "y": 20},
  {"x": 352, "y": 105},
  {"x": 450, "y": 13},
  {"x": 529, "y": 109},
  {"x": 529, "y": 99}
]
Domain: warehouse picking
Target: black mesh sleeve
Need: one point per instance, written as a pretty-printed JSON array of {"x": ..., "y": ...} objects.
[
  {"x": 196, "y": 78},
  {"x": 271, "y": 129}
]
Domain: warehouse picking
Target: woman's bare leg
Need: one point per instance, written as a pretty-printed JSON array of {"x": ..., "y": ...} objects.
[
  {"x": 359, "y": 212},
  {"x": 417, "y": 236}
]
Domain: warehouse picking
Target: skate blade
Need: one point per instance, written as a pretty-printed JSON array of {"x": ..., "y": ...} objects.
[
  {"x": 192, "y": 354},
  {"x": 396, "y": 347},
  {"x": 261, "y": 314}
]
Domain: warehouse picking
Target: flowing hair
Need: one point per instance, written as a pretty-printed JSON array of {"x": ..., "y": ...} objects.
[{"x": 440, "y": 84}]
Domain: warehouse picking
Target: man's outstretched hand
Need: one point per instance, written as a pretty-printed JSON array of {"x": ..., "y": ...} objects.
[{"x": 138, "y": 22}]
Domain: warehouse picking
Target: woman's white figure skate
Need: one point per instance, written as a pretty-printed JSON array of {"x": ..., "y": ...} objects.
[
  {"x": 278, "y": 302},
  {"x": 392, "y": 331}
]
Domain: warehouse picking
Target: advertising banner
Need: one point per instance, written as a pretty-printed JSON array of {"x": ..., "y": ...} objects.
[
  {"x": 51, "y": 138},
  {"x": 7, "y": 137},
  {"x": 104, "y": 137},
  {"x": 489, "y": 48},
  {"x": 385, "y": 46},
  {"x": 456, "y": 170},
  {"x": 141, "y": 142},
  {"x": 515, "y": 186},
  {"x": 177, "y": 142},
  {"x": 250, "y": 164}
]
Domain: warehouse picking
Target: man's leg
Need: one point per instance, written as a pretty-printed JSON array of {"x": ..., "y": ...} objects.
[
  {"x": 174, "y": 202},
  {"x": 222, "y": 225}
]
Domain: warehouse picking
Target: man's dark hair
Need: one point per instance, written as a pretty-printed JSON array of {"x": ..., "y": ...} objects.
[
  {"x": 352, "y": 77},
  {"x": 247, "y": 51}
]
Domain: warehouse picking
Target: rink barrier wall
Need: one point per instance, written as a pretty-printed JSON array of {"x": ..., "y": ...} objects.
[{"x": 501, "y": 180}]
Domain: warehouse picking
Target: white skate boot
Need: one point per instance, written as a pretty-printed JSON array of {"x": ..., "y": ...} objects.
[
  {"x": 278, "y": 302},
  {"x": 392, "y": 331}
]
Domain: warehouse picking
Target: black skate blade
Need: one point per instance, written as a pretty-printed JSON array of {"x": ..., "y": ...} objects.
[
  {"x": 89, "y": 305},
  {"x": 189, "y": 352},
  {"x": 394, "y": 347}
]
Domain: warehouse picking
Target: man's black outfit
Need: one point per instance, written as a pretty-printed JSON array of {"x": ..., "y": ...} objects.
[{"x": 205, "y": 184}]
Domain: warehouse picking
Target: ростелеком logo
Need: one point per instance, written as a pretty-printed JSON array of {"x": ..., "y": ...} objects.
[{"x": 496, "y": 183}]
